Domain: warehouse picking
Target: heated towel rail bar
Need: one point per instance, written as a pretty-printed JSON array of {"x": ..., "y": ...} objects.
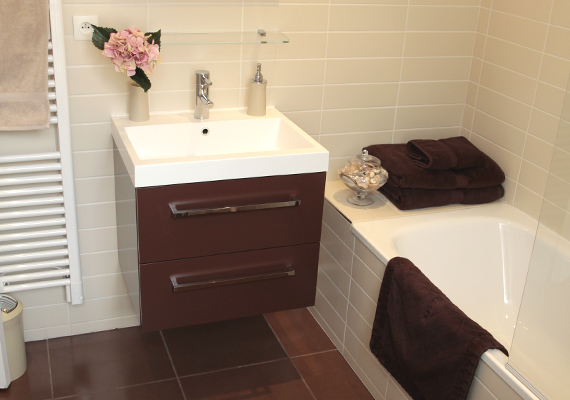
[{"x": 39, "y": 242}]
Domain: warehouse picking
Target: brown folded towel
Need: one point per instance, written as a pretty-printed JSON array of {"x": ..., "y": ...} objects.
[
  {"x": 411, "y": 199},
  {"x": 451, "y": 153},
  {"x": 426, "y": 342},
  {"x": 405, "y": 174}
]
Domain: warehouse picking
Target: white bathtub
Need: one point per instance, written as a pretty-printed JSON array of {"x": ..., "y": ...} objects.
[{"x": 478, "y": 257}]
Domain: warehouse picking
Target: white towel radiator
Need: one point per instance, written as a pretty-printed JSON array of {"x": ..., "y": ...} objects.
[{"x": 39, "y": 244}]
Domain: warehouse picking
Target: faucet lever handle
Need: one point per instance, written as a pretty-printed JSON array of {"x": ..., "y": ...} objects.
[{"x": 206, "y": 81}]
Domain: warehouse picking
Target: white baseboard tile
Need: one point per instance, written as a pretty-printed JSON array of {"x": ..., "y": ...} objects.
[
  {"x": 363, "y": 377},
  {"x": 366, "y": 360},
  {"x": 336, "y": 341},
  {"x": 47, "y": 333},
  {"x": 104, "y": 325}
]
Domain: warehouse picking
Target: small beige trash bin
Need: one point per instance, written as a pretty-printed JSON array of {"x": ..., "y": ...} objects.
[{"x": 14, "y": 335}]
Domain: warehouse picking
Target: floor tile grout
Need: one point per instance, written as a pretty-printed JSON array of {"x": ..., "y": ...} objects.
[
  {"x": 315, "y": 353},
  {"x": 172, "y": 363},
  {"x": 116, "y": 388},
  {"x": 294, "y": 366},
  {"x": 236, "y": 367},
  {"x": 49, "y": 369}
]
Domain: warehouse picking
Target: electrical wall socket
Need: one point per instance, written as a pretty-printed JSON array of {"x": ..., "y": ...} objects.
[{"x": 82, "y": 29}]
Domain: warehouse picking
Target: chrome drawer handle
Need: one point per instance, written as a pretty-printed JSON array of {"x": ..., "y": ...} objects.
[
  {"x": 181, "y": 287},
  {"x": 176, "y": 213}
]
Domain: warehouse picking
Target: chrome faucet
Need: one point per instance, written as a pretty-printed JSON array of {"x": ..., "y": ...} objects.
[{"x": 203, "y": 102}]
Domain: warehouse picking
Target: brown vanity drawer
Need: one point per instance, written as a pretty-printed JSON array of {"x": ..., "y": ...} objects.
[
  {"x": 227, "y": 286},
  {"x": 163, "y": 237}
]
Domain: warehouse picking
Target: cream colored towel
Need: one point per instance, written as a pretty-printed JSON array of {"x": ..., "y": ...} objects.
[{"x": 24, "y": 26}]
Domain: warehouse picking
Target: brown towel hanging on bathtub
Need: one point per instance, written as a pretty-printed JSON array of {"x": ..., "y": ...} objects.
[{"x": 426, "y": 342}]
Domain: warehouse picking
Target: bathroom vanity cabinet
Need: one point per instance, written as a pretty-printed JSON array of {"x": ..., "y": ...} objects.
[{"x": 188, "y": 259}]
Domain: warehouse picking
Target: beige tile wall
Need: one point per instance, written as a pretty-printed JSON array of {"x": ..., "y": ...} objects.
[
  {"x": 356, "y": 72},
  {"x": 517, "y": 87}
]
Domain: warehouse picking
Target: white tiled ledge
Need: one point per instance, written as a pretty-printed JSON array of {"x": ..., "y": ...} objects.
[{"x": 336, "y": 193}]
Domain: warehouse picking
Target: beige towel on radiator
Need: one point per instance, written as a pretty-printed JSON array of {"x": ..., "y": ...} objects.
[{"x": 24, "y": 27}]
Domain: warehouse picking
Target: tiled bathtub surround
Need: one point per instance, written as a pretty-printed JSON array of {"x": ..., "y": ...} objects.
[{"x": 348, "y": 285}]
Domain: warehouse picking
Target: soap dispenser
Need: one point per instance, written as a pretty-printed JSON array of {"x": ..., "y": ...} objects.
[{"x": 257, "y": 94}]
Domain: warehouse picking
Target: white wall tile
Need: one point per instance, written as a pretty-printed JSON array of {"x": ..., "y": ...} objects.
[
  {"x": 334, "y": 271},
  {"x": 45, "y": 316},
  {"x": 104, "y": 325},
  {"x": 429, "y": 116},
  {"x": 88, "y": 164},
  {"x": 367, "y": 361},
  {"x": 96, "y": 215},
  {"x": 369, "y": 259},
  {"x": 357, "y": 120},
  {"x": 331, "y": 317},
  {"x": 366, "y": 279},
  {"x": 429, "y": 44},
  {"x": 98, "y": 239},
  {"x": 41, "y": 297},
  {"x": 105, "y": 262},
  {"x": 295, "y": 98},
  {"x": 332, "y": 294},
  {"x": 93, "y": 190},
  {"x": 336, "y": 247},
  {"x": 373, "y": 70},
  {"x": 442, "y": 18},
  {"x": 95, "y": 287},
  {"x": 99, "y": 309},
  {"x": 349, "y": 144},
  {"x": 338, "y": 224},
  {"x": 436, "y": 68},
  {"x": 183, "y": 17},
  {"x": 370, "y": 44},
  {"x": 91, "y": 137},
  {"x": 367, "y": 18},
  {"x": 285, "y": 17}
]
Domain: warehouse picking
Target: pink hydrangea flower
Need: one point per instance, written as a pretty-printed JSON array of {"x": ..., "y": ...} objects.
[{"x": 129, "y": 49}]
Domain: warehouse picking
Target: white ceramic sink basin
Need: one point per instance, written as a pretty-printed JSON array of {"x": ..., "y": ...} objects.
[{"x": 176, "y": 148}]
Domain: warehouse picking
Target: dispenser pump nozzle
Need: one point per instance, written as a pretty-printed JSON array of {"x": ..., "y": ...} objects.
[{"x": 258, "y": 78}]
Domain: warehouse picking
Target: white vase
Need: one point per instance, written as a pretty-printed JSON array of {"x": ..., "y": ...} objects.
[{"x": 138, "y": 103}]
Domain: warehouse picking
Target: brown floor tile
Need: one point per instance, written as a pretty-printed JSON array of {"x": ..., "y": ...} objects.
[
  {"x": 107, "y": 360},
  {"x": 298, "y": 332},
  {"x": 330, "y": 377},
  {"x": 34, "y": 384},
  {"x": 277, "y": 380},
  {"x": 225, "y": 344},
  {"x": 165, "y": 390}
]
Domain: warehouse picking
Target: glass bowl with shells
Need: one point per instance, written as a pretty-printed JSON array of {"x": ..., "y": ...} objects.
[{"x": 363, "y": 174}]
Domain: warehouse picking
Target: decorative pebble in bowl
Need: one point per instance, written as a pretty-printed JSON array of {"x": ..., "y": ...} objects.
[{"x": 363, "y": 174}]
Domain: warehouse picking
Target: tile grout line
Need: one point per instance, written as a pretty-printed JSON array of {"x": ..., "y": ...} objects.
[
  {"x": 401, "y": 74},
  {"x": 49, "y": 369},
  {"x": 173, "y": 367},
  {"x": 315, "y": 353},
  {"x": 236, "y": 367},
  {"x": 114, "y": 389},
  {"x": 470, "y": 69},
  {"x": 289, "y": 358},
  {"x": 324, "y": 73}
]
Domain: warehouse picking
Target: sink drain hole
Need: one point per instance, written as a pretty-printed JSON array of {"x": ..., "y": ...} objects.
[{"x": 205, "y": 131}]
